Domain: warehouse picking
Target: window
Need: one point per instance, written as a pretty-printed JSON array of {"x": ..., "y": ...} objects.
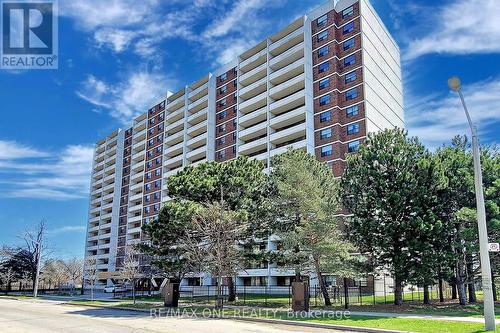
[
  {"x": 348, "y": 12},
  {"x": 158, "y": 184},
  {"x": 222, "y": 90},
  {"x": 234, "y": 150},
  {"x": 159, "y": 138},
  {"x": 353, "y": 128},
  {"x": 348, "y": 44},
  {"x": 222, "y": 141},
  {"x": 150, "y": 153},
  {"x": 326, "y": 151},
  {"x": 157, "y": 195},
  {"x": 161, "y": 116},
  {"x": 151, "y": 142},
  {"x": 234, "y": 136},
  {"x": 148, "y": 187},
  {"x": 235, "y": 109},
  {"x": 322, "y": 20},
  {"x": 147, "y": 198},
  {"x": 351, "y": 94},
  {"x": 324, "y": 100},
  {"x": 325, "y": 116},
  {"x": 324, "y": 67},
  {"x": 152, "y": 121},
  {"x": 222, "y": 154},
  {"x": 151, "y": 130},
  {"x": 350, "y": 77},
  {"x": 322, "y": 36},
  {"x": 160, "y": 127},
  {"x": 158, "y": 160},
  {"x": 350, "y": 60},
  {"x": 223, "y": 77},
  {"x": 352, "y": 111},
  {"x": 150, "y": 164},
  {"x": 325, "y": 83},
  {"x": 222, "y": 128},
  {"x": 146, "y": 210},
  {"x": 158, "y": 149},
  {"x": 325, "y": 134},
  {"x": 234, "y": 122},
  {"x": 156, "y": 207},
  {"x": 222, "y": 115},
  {"x": 349, "y": 27},
  {"x": 353, "y": 146},
  {"x": 323, "y": 51},
  {"x": 149, "y": 175},
  {"x": 235, "y": 83},
  {"x": 222, "y": 102},
  {"x": 158, "y": 172}
]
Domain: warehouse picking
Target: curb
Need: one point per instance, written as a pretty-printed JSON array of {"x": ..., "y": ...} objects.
[{"x": 265, "y": 320}]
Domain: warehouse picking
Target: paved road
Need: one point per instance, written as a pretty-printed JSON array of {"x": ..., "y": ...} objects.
[{"x": 42, "y": 316}]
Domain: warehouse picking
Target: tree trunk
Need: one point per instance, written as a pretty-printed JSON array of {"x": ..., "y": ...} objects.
[
  {"x": 322, "y": 285},
  {"x": 461, "y": 277},
  {"x": 454, "y": 291},
  {"x": 231, "y": 296},
  {"x": 346, "y": 294},
  {"x": 398, "y": 290},
  {"x": 133, "y": 291},
  {"x": 471, "y": 285},
  {"x": 426, "y": 294},
  {"x": 494, "y": 287},
  {"x": 440, "y": 286}
]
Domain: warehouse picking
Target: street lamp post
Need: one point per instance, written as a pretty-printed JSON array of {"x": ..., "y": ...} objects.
[{"x": 489, "y": 311}]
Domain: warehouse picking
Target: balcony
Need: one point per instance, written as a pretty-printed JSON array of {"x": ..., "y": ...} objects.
[
  {"x": 288, "y": 134},
  {"x": 174, "y": 150},
  {"x": 134, "y": 218},
  {"x": 254, "y": 103},
  {"x": 134, "y": 230},
  {"x": 106, "y": 216},
  {"x": 197, "y": 129},
  {"x": 175, "y": 127},
  {"x": 252, "y": 147},
  {"x": 253, "y": 89},
  {"x": 136, "y": 177},
  {"x": 138, "y": 147},
  {"x": 138, "y": 157},
  {"x": 254, "y": 61},
  {"x": 254, "y": 75},
  {"x": 95, "y": 210},
  {"x": 287, "y": 42},
  {"x": 253, "y": 117},
  {"x": 197, "y": 153},
  {"x": 288, "y": 103},
  {"x": 198, "y": 117},
  {"x": 176, "y": 104},
  {"x": 172, "y": 172},
  {"x": 288, "y": 57},
  {"x": 173, "y": 139},
  {"x": 287, "y": 88},
  {"x": 288, "y": 118},
  {"x": 174, "y": 116},
  {"x": 136, "y": 197},
  {"x": 295, "y": 145},
  {"x": 108, "y": 187},
  {"x": 197, "y": 140},
  {"x": 108, "y": 205},
  {"x": 198, "y": 105},
  {"x": 108, "y": 197},
  {"x": 139, "y": 136},
  {"x": 253, "y": 131},
  {"x": 135, "y": 208},
  {"x": 136, "y": 186},
  {"x": 174, "y": 162},
  {"x": 138, "y": 166},
  {"x": 198, "y": 92}
]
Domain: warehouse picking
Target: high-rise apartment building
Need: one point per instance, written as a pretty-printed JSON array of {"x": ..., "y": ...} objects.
[{"x": 320, "y": 84}]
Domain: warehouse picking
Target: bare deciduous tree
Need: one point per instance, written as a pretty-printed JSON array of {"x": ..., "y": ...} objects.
[
  {"x": 213, "y": 241},
  {"x": 131, "y": 271},
  {"x": 90, "y": 274},
  {"x": 73, "y": 269}
]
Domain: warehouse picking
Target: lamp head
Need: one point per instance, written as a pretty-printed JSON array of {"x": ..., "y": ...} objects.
[{"x": 454, "y": 83}]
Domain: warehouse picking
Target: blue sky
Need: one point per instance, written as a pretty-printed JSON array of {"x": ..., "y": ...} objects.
[{"x": 116, "y": 56}]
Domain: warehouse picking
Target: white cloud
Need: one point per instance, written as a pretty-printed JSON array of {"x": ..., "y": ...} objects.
[
  {"x": 67, "y": 229},
  {"x": 128, "y": 98},
  {"x": 92, "y": 14},
  {"x": 10, "y": 150},
  {"x": 55, "y": 175},
  {"x": 117, "y": 39},
  {"x": 461, "y": 27},
  {"x": 438, "y": 119},
  {"x": 234, "y": 18}
]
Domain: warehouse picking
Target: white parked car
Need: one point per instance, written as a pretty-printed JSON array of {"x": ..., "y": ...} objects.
[{"x": 115, "y": 289}]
